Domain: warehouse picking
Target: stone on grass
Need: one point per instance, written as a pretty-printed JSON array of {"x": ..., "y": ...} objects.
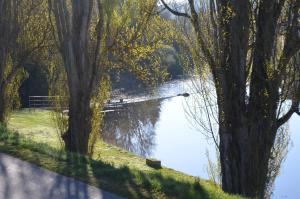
[{"x": 153, "y": 163}]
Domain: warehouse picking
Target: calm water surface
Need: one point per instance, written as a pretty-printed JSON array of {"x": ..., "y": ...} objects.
[
  {"x": 160, "y": 128},
  {"x": 287, "y": 184}
]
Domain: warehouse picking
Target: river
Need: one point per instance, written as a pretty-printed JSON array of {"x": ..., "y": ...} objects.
[{"x": 159, "y": 126}]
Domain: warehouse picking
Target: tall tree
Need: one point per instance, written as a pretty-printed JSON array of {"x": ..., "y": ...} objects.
[
  {"x": 23, "y": 31},
  {"x": 248, "y": 45},
  {"x": 9, "y": 30},
  {"x": 94, "y": 36}
]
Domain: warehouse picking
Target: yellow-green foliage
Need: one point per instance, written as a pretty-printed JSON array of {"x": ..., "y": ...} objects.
[
  {"x": 31, "y": 32},
  {"x": 12, "y": 98},
  {"x": 134, "y": 36},
  {"x": 98, "y": 103},
  {"x": 35, "y": 33},
  {"x": 58, "y": 89}
]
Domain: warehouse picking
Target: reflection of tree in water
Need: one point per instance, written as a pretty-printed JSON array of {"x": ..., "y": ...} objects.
[{"x": 133, "y": 127}]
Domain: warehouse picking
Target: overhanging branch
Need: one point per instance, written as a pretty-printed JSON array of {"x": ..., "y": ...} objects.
[
  {"x": 181, "y": 14},
  {"x": 294, "y": 109}
]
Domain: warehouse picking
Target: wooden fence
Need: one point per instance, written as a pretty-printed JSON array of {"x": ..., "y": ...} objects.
[{"x": 46, "y": 102}]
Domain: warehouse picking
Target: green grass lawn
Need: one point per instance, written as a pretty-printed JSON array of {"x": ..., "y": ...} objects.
[{"x": 33, "y": 137}]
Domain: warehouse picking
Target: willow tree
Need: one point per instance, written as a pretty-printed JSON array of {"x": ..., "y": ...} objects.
[
  {"x": 94, "y": 37},
  {"x": 8, "y": 35},
  {"x": 23, "y": 32},
  {"x": 248, "y": 45}
]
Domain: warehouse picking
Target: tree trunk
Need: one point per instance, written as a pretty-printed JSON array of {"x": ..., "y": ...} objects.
[
  {"x": 80, "y": 115},
  {"x": 247, "y": 129},
  {"x": 244, "y": 154},
  {"x": 3, "y": 60},
  {"x": 2, "y": 104},
  {"x": 74, "y": 32},
  {"x": 8, "y": 36}
]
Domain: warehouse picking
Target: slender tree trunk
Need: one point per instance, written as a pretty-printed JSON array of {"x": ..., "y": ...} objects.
[
  {"x": 82, "y": 68},
  {"x": 3, "y": 58},
  {"x": 2, "y": 104},
  {"x": 80, "y": 115}
]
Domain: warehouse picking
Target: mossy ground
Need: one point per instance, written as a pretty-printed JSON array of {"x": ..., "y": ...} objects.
[{"x": 33, "y": 137}]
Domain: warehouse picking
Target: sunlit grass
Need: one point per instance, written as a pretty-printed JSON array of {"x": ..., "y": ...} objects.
[
  {"x": 110, "y": 168},
  {"x": 35, "y": 124},
  {"x": 38, "y": 126}
]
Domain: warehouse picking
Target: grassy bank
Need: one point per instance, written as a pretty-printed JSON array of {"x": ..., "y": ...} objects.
[{"x": 32, "y": 137}]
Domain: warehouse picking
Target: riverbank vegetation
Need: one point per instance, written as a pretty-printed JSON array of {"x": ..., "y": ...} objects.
[
  {"x": 248, "y": 49},
  {"x": 32, "y": 137}
]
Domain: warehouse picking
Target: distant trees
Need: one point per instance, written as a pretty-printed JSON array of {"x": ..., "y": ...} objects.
[
  {"x": 248, "y": 46},
  {"x": 94, "y": 37}
]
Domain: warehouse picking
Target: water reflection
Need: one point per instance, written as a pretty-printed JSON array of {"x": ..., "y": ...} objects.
[
  {"x": 133, "y": 127},
  {"x": 155, "y": 125},
  {"x": 161, "y": 129}
]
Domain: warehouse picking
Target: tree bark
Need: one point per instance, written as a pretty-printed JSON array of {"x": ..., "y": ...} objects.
[
  {"x": 247, "y": 129},
  {"x": 244, "y": 155},
  {"x": 82, "y": 66},
  {"x": 80, "y": 114},
  {"x": 2, "y": 86},
  {"x": 2, "y": 105}
]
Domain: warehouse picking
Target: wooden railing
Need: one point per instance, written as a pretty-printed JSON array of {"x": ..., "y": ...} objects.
[{"x": 46, "y": 102}]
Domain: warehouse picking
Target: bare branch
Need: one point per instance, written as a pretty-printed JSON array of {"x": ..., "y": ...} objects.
[
  {"x": 294, "y": 109},
  {"x": 181, "y": 14}
]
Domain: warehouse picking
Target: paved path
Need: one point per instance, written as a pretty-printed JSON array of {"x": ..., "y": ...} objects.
[{"x": 22, "y": 180}]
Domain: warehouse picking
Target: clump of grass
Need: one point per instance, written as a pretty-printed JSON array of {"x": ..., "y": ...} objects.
[{"x": 111, "y": 168}]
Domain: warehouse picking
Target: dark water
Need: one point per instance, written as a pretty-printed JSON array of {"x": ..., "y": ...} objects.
[{"x": 160, "y": 128}]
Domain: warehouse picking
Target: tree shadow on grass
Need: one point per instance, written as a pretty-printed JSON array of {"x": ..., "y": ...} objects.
[
  {"x": 124, "y": 181},
  {"x": 20, "y": 179},
  {"x": 143, "y": 184}
]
